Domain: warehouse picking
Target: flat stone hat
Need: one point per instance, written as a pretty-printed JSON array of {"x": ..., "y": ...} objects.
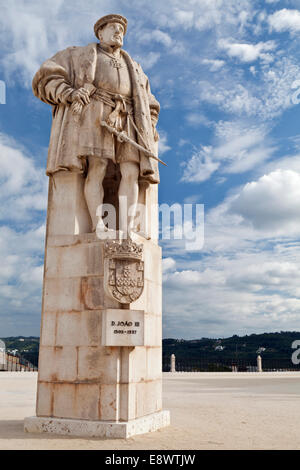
[{"x": 111, "y": 19}]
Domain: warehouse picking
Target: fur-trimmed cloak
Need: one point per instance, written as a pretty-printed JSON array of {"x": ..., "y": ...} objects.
[{"x": 71, "y": 69}]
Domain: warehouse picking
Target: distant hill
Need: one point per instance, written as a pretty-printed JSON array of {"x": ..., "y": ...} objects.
[
  {"x": 275, "y": 349},
  {"x": 28, "y": 347}
]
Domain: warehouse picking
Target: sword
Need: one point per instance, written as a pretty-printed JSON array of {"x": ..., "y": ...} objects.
[{"x": 123, "y": 137}]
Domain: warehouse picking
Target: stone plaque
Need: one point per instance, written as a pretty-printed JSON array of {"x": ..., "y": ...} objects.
[{"x": 123, "y": 327}]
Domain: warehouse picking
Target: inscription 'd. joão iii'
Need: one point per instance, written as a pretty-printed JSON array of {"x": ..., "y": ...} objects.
[{"x": 122, "y": 327}]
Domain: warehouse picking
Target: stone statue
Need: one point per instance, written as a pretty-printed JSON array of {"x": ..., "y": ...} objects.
[
  {"x": 100, "y": 371},
  {"x": 99, "y": 94}
]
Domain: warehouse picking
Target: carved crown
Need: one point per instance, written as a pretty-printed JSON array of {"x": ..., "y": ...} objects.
[{"x": 124, "y": 249}]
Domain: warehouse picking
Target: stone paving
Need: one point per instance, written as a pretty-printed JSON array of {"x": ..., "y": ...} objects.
[{"x": 208, "y": 411}]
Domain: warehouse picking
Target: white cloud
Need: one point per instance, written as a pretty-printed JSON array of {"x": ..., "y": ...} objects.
[
  {"x": 168, "y": 264},
  {"x": 247, "y": 276},
  {"x": 285, "y": 20},
  {"x": 248, "y": 52},
  {"x": 198, "y": 119},
  {"x": 285, "y": 163},
  {"x": 240, "y": 283},
  {"x": 55, "y": 24},
  {"x": 184, "y": 18},
  {"x": 147, "y": 61},
  {"x": 232, "y": 97},
  {"x": 163, "y": 146},
  {"x": 23, "y": 186},
  {"x": 272, "y": 203},
  {"x": 266, "y": 97},
  {"x": 156, "y": 36},
  {"x": 23, "y": 200},
  {"x": 225, "y": 295},
  {"x": 214, "y": 64},
  {"x": 21, "y": 277},
  {"x": 243, "y": 146},
  {"x": 200, "y": 166},
  {"x": 239, "y": 147},
  {"x": 259, "y": 214},
  {"x": 29, "y": 45},
  {"x": 201, "y": 15},
  {"x": 58, "y": 24}
]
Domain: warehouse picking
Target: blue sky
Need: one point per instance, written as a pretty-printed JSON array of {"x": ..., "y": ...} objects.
[{"x": 227, "y": 75}]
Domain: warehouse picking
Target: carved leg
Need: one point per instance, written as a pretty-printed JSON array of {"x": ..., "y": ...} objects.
[
  {"x": 128, "y": 195},
  {"x": 93, "y": 189}
]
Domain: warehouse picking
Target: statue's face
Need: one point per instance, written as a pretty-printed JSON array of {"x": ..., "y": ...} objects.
[{"x": 112, "y": 34}]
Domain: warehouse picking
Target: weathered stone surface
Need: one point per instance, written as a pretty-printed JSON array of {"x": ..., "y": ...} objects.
[
  {"x": 94, "y": 374},
  {"x": 76, "y": 401},
  {"x": 154, "y": 298},
  {"x": 58, "y": 363},
  {"x": 44, "y": 405},
  {"x": 98, "y": 364},
  {"x": 138, "y": 365},
  {"x": 67, "y": 210},
  {"x": 127, "y": 402},
  {"x": 148, "y": 397},
  {"x": 64, "y": 401},
  {"x": 152, "y": 260},
  {"x": 154, "y": 360},
  {"x": 153, "y": 330},
  {"x": 71, "y": 239},
  {"x": 90, "y": 429},
  {"x": 74, "y": 261},
  {"x": 93, "y": 295},
  {"x": 78, "y": 328},
  {"x": 87, "y": 400},
  {"x": 109, "y": 409},
  {"x": 62, "y": 294},
  {"x": 48, "y": 333},
  {"x": 125, "y": 379}
]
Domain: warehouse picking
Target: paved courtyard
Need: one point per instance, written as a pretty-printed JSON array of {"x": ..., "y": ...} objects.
[{"x": 208, "y": 411}]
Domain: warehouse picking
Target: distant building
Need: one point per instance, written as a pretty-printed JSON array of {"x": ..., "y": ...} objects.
[
  {"x": 13, "y": 351},
  {"x": 260, "y": 350},
  {"x": 2, "y": 355},
  {"x": 219, "y": 348}
]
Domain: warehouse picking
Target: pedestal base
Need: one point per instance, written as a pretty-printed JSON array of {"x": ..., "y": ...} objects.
[{"x": 104, "y": 429}]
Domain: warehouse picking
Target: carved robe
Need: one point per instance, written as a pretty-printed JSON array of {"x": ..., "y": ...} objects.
[{"x": 74, "y": 139}]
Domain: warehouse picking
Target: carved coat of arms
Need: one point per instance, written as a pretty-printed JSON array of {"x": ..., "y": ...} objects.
[{"x": 123, "y": 270}]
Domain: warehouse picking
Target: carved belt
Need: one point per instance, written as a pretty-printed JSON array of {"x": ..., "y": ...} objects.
[
  {"x": 110, "y": 98},
  {"x": 122, "y": 105}
]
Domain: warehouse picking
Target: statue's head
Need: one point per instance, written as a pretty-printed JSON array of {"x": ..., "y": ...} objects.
[{"x": 111, "y": 29}]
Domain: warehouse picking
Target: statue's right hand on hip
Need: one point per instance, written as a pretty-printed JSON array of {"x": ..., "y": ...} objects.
[{"x": 81, "y": 96}]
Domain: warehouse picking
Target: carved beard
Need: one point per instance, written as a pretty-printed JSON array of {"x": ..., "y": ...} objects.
[{"x": 113, "y": 41}]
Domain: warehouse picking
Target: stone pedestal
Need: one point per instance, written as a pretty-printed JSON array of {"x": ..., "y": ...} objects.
[
  {"x": 100, "y": 365},
  {"x": 100, "y": 429}
]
